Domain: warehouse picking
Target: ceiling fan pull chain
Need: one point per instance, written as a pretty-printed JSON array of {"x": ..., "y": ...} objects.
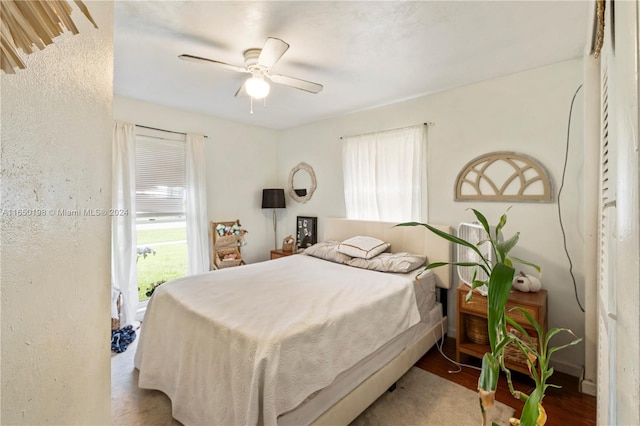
[{"x": 251, "y": 104}]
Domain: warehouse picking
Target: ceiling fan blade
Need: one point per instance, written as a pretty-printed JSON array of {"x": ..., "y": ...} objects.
[
  {"x": 273, "y": 50},
  {"x": 242, "y": 91},
  {"x": 305, "y": 85},
  {"x": 198, "y": 59}
]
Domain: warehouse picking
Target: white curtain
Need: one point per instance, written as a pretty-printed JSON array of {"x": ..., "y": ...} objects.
[
  {"x": 385, "y": 174},
  {"x": 123, "y": 228},
  {"x": 197, "y": 231}
]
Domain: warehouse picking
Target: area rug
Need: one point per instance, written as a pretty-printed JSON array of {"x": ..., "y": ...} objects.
[{"x": 424, "y": 399}]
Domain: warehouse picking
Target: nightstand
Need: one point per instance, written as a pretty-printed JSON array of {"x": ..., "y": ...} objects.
[
  {"x": 275, "y": 254},
  {"x": 469, "y": 343}
]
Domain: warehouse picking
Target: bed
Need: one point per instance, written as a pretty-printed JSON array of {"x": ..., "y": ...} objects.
[{"x": 297, "y": 340}]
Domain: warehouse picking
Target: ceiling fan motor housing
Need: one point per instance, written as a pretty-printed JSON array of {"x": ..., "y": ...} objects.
[{"x": 251, "y": 59}]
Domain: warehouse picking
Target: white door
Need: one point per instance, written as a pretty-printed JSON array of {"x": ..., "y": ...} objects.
[{"x": 607, "y": 281}]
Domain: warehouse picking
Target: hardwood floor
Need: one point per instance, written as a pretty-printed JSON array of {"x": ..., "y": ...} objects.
[{"x": 564, "y": 406}]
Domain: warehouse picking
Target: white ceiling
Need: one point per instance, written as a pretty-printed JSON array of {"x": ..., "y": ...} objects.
[{"x": 366, "y": 54}]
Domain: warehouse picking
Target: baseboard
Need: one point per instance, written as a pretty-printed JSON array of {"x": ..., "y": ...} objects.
[{"x": 588, "y": 387}]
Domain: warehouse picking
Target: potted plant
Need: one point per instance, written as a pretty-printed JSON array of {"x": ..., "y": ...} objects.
[{"x": 501, "y": 274}]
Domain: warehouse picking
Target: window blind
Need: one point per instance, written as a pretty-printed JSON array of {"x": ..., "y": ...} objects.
[{"x": 160, "y": 177}]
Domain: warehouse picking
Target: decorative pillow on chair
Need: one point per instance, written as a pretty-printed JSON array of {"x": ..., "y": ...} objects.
[{"x": 363, "y": 247}]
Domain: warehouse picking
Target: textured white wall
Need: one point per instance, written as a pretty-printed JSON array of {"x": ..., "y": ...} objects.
[
  {"x": 525, "y": 112},
  {"x": 56, "y": 154},
  {"x": 241, "y": 160}
]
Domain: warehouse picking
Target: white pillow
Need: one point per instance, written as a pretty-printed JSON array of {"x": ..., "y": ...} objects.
[
  {"x": 362, "y": 247},
  {"x": 390, "y": 262},
  {"x": 327, "y": 250}
]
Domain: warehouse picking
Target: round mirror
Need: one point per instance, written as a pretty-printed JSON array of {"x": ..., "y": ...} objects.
[{"x": 302, "y": 183}]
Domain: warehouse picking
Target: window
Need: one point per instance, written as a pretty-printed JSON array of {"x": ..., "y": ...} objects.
[
  {"x": 160, "y": 210},
  {"x": 384, "y": 174}
]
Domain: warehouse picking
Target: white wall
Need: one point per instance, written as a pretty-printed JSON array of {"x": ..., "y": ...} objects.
[
  {"x": 56, "y": 154},
  {"x": 525, "y": 112},
  {"x": 241, "y": 161}
]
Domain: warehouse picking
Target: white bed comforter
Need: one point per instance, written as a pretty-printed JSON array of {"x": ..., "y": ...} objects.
[{"x": 241, "y": 346}]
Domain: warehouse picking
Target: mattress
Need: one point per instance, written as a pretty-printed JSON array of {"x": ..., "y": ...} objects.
[
  {"x": 430, "y": 314},
  {"x": 243, "y": 345}
]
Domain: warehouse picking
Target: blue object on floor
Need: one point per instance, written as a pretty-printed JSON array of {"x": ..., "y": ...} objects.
[{"x": 121, "y": 338}]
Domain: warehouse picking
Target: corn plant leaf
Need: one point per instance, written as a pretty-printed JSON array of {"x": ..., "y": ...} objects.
[
  {"x": 500, "y": 225},
  {"x": 546, "y": 375},
  {"x": 499, "y": 288},
  {"x": 504, "y": 342},
  {"x": 521, "y": 330},
  {"x": 448, "y": 237},
  {"x": 524, "y": 262},
  {"x": 557, "y": 348},
  {"x": 530, "y": 411},
  {"x": 483, "y": 221},
  {"x": 555, "y": 331},
  {"x": 467, "y": 264},
  {"x": 505, "y": 247},
  {"x": 488, "y": 380},
  {"x": 436, "y": 265},
  {"x": 476, "y": 283},
  {"x": 474, "y": 276},
  {"x": 473, "y": 265},
  {"x": 532, "y": 321}
]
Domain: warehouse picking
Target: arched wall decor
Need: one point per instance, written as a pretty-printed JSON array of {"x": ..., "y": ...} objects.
[{"x": 503, "y": 176}]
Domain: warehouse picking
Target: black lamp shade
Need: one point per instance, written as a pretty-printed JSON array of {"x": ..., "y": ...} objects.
[{"x": 273, "y": 199}]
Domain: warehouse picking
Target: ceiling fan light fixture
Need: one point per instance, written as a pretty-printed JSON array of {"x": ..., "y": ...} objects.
[{"x": 257, "y": 88}]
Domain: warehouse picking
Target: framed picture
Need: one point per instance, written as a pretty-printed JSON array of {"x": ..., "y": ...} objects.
[{"x": 307, "y": 231}]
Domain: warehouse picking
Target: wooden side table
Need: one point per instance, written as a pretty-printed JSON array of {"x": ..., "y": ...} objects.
[
  {"x": 534, "y": 303},
  {"x": 275, "y": 254}
]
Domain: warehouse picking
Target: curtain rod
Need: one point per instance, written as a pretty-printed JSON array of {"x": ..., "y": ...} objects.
[
  {"x": 163, "y": 130},
  {"x": 426, "y": 123}
]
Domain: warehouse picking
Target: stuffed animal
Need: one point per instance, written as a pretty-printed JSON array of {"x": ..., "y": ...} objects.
[{"x": 527, "y": 283}]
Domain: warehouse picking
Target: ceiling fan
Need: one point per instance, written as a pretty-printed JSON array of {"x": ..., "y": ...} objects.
[{"x": 258, "y": 63}]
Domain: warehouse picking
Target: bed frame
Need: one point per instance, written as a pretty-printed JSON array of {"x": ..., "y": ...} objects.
[{"x": 418, "y": 240}]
